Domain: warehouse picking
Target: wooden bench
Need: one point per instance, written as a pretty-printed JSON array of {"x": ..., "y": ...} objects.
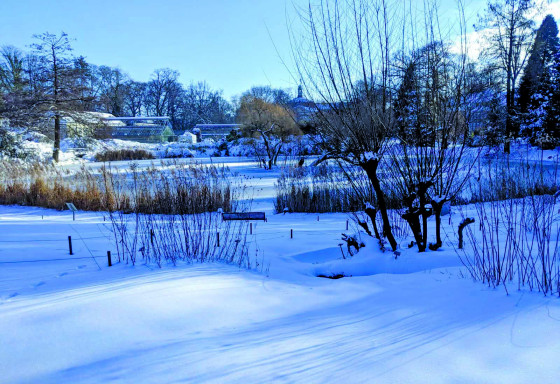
[{"x": 244, "y": 216}]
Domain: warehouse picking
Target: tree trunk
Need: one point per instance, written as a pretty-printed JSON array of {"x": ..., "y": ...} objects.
[
  {"x": 413, "y": 220},
  {"x": 425, "y": 215},
  {"x": 509, "y": 101},
  {"x": 372, "y": 213},
  {"x": 371, "y": 170},
  {"x": 437, "y": 207},
  {"x": 56, "y": 137}
]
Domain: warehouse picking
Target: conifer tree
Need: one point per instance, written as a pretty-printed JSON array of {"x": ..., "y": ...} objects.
[{"x": 535, "y": 88}]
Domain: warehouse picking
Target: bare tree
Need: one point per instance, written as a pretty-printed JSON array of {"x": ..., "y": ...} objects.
[
  {"x": 112, "y": 90},
  {"x": 510, "y": 34},
  {"x": 271, "y": 124},
  {"x": 431, "y": 170},
  {"x": 343, "y": 57},
  {"x": 57, "y": 79},
  {"x": 134, "y": 96},
  {"x": 161, "y": 91}
]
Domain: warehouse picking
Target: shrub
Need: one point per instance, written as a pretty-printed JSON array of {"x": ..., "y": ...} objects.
[
  {"x": 517, "y": 241},
  {"x": 124, "y": 154}
]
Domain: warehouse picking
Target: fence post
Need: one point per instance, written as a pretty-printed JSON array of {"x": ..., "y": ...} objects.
[
  {"x": 109, "y": 258},
  {"x": 291, "y": 233},
  {"x": 250, "y": 228},
  {"x": 218, "y": 238},
  {"x": 346, "y": 224},
  {"x": 70, "y": 244}
]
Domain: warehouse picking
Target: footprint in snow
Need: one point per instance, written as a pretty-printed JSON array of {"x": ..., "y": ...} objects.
[
  {"x": 39, "y": 284},
  {"x": 81, "y": 266},
  {"x": 62, "y": 274},
  {"x": 12, "y": 295}
]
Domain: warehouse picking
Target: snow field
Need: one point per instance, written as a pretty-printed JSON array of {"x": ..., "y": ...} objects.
[{"x": 418, "y": 318}]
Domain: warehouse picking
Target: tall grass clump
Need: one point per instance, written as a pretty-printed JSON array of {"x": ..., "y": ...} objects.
[
  {"x": 36, "y": 184},
  {"x": 324, "y": 189},
  {"x": 123, "y": 155}
]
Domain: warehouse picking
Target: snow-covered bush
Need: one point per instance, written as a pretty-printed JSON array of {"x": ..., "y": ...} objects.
[
  {"x": 174, "y": 150},
  {"x": 10, "y": 146}
]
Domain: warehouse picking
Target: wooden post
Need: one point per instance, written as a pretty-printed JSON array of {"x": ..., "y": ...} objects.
[
  {"x": 152, "y": 237},
  {"x": 346, "y": 224},
  {"x": 73, "y": 216},
  {"x": 109, "y": 258},
  {"x": 70, "y": 244},
  {"x": 317, "y": 217},
  {"x": 250, "y": 228},
  {"x": 218, "y": 238},
  {"x": 291, "y": 233}
]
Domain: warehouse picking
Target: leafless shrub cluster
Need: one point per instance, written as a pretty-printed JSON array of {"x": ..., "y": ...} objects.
[
  {"x": 517, "y": 240},
  {"x": 173, "y": 215}
]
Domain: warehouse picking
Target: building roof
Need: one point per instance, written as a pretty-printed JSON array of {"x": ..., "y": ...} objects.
[
  {"x": 217, "y": 126},
  {"x": 137, "y": 118},
  {"x": 142, "y": 131}
]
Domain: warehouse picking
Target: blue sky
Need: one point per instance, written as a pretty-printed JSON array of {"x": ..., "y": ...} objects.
[{"x": 228, "y": 43}]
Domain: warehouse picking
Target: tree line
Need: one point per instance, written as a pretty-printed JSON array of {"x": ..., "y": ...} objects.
[{"x": 48, "y": 82}]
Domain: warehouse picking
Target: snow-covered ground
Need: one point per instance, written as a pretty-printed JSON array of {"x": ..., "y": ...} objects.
[
  {"x": 418, "y": 318},
  {"x": 74, "y": 151},
  {"x": 37, "y": 147}
]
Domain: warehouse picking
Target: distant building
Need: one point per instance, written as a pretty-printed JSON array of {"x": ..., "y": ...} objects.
[
  {"x": 216, "y": 131},
  {"x": 75, "y": 124},
  {"x": 303, "y": 108},
  {"x": 144, "y": 129}
]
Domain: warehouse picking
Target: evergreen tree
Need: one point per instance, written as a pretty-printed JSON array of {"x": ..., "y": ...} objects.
[
  {"x": 495, "y": 129},
  {"x": 406, "y": 105},
  {"x": 547, "y": 133},
  {"x": 534, "y": 89}
]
